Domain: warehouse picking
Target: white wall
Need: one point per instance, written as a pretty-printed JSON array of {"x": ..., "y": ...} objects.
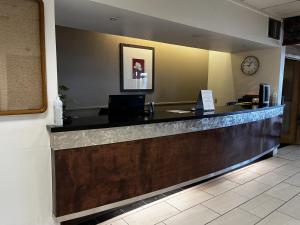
[
  {"x": 25, "y": 170},
  {"x": 220, "y": 77},
  {"x": 270, "y": 71},
  {"x": 219, "y": 16}
]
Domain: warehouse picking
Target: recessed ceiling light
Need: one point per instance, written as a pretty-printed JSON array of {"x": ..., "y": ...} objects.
[{"x": 114, "y": 18}]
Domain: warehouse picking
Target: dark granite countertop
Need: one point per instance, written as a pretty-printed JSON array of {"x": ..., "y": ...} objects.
[{"x": 161, "y": 114}]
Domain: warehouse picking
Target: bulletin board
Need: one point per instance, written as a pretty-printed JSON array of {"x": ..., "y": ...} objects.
[{"x": 22, "y": 57}]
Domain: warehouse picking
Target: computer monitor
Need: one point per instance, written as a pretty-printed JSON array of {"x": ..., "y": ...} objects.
[{"x": 126, "y": 105}]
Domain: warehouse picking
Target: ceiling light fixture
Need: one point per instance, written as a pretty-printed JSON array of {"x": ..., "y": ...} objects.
[{"x": 114, "y": 18}]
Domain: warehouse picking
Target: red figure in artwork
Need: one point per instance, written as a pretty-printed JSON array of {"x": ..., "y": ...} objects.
[{"x": 138, "y": 68}]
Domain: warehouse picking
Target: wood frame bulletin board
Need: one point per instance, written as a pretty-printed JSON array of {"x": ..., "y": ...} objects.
[{"x": 23, "y": 88}]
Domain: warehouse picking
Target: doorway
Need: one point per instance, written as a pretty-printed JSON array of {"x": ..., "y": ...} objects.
[{"x": 291, "y": 92}]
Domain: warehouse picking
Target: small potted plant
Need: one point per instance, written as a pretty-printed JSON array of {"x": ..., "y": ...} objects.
[{"x": 64, "y": 98}]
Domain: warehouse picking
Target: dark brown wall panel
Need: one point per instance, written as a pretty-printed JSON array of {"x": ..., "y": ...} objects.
[{"x": 94, "y": 176}]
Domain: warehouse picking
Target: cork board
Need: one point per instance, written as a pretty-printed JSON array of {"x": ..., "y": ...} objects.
[{"x": 22, "y": 57}]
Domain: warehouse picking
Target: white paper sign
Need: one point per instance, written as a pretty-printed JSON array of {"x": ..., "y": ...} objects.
[{"x": 208, "y": 100}]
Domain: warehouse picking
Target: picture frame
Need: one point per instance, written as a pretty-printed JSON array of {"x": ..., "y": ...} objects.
[{"x": 137, "y": 68}]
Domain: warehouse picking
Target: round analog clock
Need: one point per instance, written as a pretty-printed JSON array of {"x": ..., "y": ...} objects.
[{"x": 250, "y": 65}]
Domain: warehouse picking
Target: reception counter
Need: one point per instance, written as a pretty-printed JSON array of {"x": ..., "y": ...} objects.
[{"x": 104, "y": 162}]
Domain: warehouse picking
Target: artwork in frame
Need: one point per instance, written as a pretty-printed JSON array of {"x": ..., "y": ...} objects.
[{"x": 137, "y": 68}]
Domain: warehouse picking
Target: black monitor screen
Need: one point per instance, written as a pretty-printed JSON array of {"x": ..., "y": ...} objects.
[{"x": 126, "y": 104}]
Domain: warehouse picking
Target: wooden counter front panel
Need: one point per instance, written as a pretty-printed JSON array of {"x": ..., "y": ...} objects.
[{"x": 90, "y": 177}]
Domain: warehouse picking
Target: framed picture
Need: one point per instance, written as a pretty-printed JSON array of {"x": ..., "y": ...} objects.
[{"x": 137, "y": 68}]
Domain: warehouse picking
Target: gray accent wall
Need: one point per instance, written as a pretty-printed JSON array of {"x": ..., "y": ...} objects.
[{"x": 88, "y": 64}]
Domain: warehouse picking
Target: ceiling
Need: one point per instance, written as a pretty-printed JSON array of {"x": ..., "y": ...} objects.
[
  {"x": 87, "y": 15},
  {"x": 276, "y": 8}
]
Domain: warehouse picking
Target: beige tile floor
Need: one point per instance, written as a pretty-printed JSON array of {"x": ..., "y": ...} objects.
[{"x": 265, "y": 193}]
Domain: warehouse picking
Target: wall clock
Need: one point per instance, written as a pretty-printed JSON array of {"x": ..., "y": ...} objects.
[{"x": 250, "y": 65}]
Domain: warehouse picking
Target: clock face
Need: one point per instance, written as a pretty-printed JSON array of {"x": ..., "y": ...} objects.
[{"x": 250, "y": 65}]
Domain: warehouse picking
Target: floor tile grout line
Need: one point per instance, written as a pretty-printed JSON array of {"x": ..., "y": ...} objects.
[
  {"x": 179, "y": 211},
  {"x": 220, "y": 178},
  {"x": 219, "y": 215},
  {"x": 123, "y": 216},
  {"x": 280, "y": 198},
  {"x": 266, "y": 215},
  {"x": 174, "y": 207},
  {"x": 238, "y": 207},
  {"x": 289, "y": 216},
  {"x": 220, "y": 193},
  {"x": 246, "y": 181},
  {"x": 231, "y": 211},
  {"x": 172, "y": 215},
  {"x": 282, "y": 212},
  {"x": 182, "y": 211},
  {"x": 251, "y": 213},
  {"x": 275, "y": 168},
  {"x": 286, "y": 165},
  {"x": 125, "y": 221},
  {"x": 199, "y": 204},
  {"x": 211, "y": 210},
  {"x": 288, "y": 202},
  {"x": 161, "y": 222},
  {"x": 293, "y": 184},
  {"x": 282, "y": 157},
  {"x": 212, "y": 196},
  {"x": 288, "y": 177}
]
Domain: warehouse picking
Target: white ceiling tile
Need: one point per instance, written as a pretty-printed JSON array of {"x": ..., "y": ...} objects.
[
  {"x": 285, "y": 10},
  {"x": 291, "y": 14},
  {"x": 261, "y": 4}
]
